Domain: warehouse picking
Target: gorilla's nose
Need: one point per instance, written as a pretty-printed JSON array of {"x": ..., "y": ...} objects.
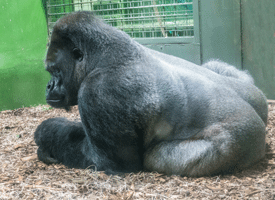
[{"x": 50, "y": 85}]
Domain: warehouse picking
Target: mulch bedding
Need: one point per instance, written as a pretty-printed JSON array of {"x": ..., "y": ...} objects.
[{"x": 23, "y": 176}]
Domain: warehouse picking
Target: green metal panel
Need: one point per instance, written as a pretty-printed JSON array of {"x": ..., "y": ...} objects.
[
  {"x": 187, "y": 48},
  {"x": 258, "y": 42},
  {"x": 22, "y": 50},
  {"x": 220, "y": 31},
  {"x": 190, "y": 52}
]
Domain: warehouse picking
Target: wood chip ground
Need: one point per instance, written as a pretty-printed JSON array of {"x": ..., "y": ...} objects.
[{"x": 23, "y": 176}]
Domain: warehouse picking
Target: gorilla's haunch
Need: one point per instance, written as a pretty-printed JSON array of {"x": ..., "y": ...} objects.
[{"x": 145, "y": 110}]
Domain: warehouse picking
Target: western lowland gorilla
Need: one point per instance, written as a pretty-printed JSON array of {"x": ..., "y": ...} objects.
[{"x": 144, "y": 110}]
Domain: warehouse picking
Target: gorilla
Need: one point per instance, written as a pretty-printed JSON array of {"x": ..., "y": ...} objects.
[{"x": 144, "y": 110}]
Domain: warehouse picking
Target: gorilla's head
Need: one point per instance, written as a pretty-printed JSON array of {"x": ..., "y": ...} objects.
[
  {"x": 80, "y": 42},
  {"x": 66, "y": 59},
  {"x": 62, "y": 58}
]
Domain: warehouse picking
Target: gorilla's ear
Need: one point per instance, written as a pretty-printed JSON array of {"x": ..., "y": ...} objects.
[{"x": 78, "y": 55}]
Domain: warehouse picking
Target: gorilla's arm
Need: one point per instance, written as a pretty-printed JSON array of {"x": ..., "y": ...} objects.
[
  {"x": 98, "y": 141},
  {"x": 64, "y": 141},
  {"x": 61, "y": 140},
  {"x": 109, "y": 120}
]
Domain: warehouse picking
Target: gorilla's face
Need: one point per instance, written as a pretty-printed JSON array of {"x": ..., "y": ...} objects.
[{"x": 62, "y": 59}]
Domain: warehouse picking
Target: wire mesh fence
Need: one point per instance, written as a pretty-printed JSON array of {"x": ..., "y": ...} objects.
[{"x": 138, "y": 18}]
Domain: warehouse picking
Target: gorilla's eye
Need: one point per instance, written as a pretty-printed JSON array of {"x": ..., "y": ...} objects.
[
  {"x": 57, "y": 70},
  {"x": 78, "y": 55}
]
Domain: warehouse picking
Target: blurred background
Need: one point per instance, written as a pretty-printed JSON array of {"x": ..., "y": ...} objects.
[{"x": 23, "y": 39}]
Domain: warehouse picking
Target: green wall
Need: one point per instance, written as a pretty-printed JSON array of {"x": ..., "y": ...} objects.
[
  {"x": 241, "y": 33},
  {"x": 258, "y": 43},
  {"x": 220, "y": 28},
  {"x": 23, "y": 40}
]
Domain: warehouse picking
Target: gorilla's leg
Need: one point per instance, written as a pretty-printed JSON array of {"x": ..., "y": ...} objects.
[
  {"x": 225, "y": 69},
  {"x": 61, "y": 140},
  {"x": 220, "y": 148},
  {"x": 244, "y": 90}
]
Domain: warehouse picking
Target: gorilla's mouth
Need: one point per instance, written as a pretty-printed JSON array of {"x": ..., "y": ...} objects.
[
  {"x": 57, "y": 103},
  {"x": 54, "y": 101}
]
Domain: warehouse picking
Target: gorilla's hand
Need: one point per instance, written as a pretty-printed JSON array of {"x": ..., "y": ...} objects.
[
  {"x": 45, "y": 156},
  {"x": 56, "y": 135},
  {"x": 44, "y": 137}
]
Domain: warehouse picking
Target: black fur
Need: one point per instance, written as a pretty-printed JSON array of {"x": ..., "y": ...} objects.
[{"x": 144, "y": 110}]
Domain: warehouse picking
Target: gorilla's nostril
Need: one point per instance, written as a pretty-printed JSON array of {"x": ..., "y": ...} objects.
[{"x": 50, "y": 85}]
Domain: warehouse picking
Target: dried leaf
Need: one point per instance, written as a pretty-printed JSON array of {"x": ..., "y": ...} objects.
[
  {"x": 33, "y": 157},
  {"x": 213, "y": 188},
  {"x": 38, "y": 182},
  {"x": 20, "y": 178},
  {"x": 113, "y": 197},
  {"x": 17, "y": 146},
  {"x": 79, "y": 180},
  {"x": 58, "y": 166},
  {"x": 162, "y": 180},
  {"x": 252, "y": 193},
  {"x": 103, "y": 176},
  {"x": 129, "y": 195},
  {"x": 158, "y": 175}
]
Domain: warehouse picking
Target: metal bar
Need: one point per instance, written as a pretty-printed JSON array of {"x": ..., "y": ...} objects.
[
  {"x": 196, "y": 18},
  {"x": 149, "y": 6},
  {"x": 178, "y": 40},
  {"x": 64, "y": 6}
]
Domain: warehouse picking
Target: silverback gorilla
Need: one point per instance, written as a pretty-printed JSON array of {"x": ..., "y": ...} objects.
[{"x": 144, "y": 110}]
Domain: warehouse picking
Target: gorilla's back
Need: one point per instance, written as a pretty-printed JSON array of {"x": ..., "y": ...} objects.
[{"x": 208, "y": 85}]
